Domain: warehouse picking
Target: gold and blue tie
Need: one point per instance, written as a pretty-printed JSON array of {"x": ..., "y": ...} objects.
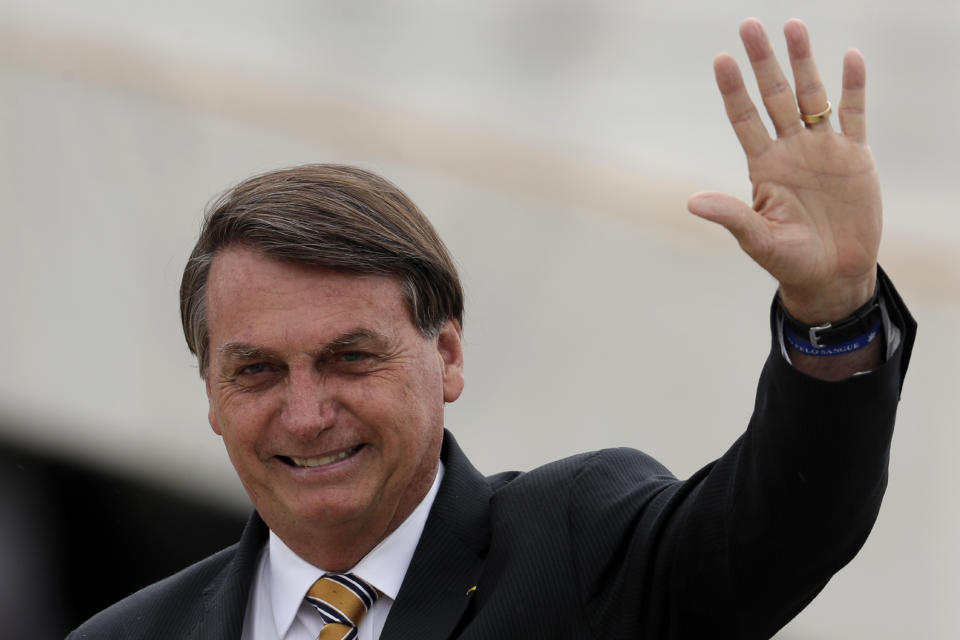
[{"x": 342, "y": 600}]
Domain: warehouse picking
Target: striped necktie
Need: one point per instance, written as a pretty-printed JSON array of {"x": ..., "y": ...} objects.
[{"x": 342, "y": 600}]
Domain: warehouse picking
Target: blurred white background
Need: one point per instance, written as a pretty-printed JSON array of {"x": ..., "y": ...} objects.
[{"x": 553, "y": 143}]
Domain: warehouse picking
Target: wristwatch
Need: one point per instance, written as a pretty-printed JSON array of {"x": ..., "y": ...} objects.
[{"x": 830, "y": 334}]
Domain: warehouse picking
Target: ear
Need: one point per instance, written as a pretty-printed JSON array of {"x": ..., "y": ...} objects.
[
  {"x": 450, "y": 348},
  {"x": 211, "y": 414}
]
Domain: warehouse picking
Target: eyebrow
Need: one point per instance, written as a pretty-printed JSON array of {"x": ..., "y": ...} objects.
[
  {"x": 244, "y": 351},
  {"x": 351, "y": 338}
]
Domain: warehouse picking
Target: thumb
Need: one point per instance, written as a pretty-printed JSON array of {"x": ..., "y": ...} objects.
[
  {"x": 737, "y": 217},
  {"x": 733, "y": 213}
]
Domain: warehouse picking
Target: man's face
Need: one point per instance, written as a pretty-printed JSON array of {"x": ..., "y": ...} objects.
[{"x": 328, "y": 398}]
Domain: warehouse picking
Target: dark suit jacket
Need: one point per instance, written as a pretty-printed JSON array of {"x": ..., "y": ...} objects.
[{"x": 609, "y": 544}]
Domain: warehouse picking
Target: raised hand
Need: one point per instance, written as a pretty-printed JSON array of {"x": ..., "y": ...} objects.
[{"x": 815, "y": 221}]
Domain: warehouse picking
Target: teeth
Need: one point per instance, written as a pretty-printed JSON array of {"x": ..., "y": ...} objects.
[{"x": 319, "y": 462}]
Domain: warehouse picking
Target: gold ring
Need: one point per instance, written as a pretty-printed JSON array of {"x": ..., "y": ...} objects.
[{"x": 814, "y": 118}]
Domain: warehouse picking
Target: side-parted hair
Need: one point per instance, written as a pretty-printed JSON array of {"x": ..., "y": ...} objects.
[{"x": 325, "y": 215}]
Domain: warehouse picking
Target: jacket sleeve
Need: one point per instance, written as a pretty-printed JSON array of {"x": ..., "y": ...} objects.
[{"x": 742, "y": 546}]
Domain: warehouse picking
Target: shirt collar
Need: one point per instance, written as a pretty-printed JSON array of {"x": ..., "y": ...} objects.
[{"x": 290, "y": 576}]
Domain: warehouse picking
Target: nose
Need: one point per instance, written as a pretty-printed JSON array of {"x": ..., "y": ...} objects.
[{"x": 309, "y": 408}]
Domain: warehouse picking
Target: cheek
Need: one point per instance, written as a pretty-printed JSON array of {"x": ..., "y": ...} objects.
[
  {"x": 243, "y": 421},
  {"x": 420, "y": 411},
  {"x": 397, "y": 408}
]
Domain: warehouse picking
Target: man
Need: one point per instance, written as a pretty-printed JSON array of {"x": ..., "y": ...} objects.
[{"x": 326, "y": 316}]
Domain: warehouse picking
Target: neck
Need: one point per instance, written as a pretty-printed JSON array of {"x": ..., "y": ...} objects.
[{"x": 340, "y": 546}]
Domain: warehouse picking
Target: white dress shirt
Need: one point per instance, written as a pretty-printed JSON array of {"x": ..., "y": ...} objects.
[{"x": 277, "y": 610}]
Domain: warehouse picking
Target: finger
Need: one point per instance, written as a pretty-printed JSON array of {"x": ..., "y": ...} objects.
[
  {"x": 776, "y": 92},
  {"x": 741, "y": 111},
  {"x": 811, "y": 95},
  {"x": 853, "y": 102},
  {"x": 734, "y": 214}
]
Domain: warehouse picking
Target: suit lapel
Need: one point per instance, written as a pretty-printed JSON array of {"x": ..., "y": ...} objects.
[
  {"x": 449, "y": 557},
  {"x": 225, "y": 598},
  {"x": 434, "y": 593}
]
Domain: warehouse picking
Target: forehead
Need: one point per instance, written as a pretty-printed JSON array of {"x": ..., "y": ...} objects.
[{"x": 248, "y": 292}]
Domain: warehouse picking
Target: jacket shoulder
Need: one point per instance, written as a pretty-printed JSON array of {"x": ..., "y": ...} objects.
[
  {"x": 171, "y": 607},
  {"x": 593, "y": 467}
]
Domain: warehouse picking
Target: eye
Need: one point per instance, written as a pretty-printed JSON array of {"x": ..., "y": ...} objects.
[
  {"x": 254, "y": 369},
  {"x": 355, "y": 362},
  {"x": 256, "y": 375}
]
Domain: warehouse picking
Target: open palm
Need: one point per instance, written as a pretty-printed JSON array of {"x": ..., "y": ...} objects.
[{"x": 815, "y": 220}]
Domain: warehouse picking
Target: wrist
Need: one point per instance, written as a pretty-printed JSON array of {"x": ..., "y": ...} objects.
[
  {"x": 827, "y": 304},
  {"x": 851, "y": 333}
]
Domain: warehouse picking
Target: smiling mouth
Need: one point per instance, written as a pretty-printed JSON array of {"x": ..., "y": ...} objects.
[{"x": 321, "y": 461}]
